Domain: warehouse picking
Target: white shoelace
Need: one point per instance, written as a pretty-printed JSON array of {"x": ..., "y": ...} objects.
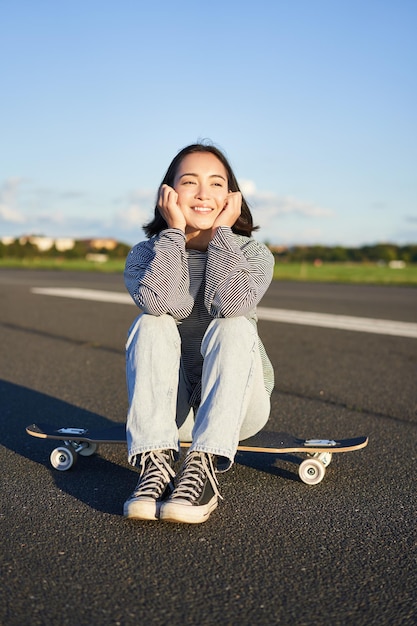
[
  {"x": 195, "y": 470},
  {"x": 155, "y": 473}
]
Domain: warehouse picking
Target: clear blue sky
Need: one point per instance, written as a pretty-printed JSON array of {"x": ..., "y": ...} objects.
[{"x": 313, "y": 101}]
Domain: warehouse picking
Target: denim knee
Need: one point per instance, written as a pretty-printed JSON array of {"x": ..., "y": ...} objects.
[
  {"x": 236, "y": 331},
  {"x": 150, "y": 324}
]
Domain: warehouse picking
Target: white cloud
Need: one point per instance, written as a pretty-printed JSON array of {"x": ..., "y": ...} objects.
[
  {"x": 247, "y": 187},
  {"x": 135, "y": 210},
  {"x": 288, "y": 204},
  {"x": 268, "y": 204},
  {"x": 8, "y": 214},
  {"x": 8, "y": 201},
  {"x": 26, "y": 209},
  {"x": 139, "y": 210}
]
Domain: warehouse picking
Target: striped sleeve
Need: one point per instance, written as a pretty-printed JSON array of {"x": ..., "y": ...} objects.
[
  {"x": 157, "y": 277},
  {"x": 239, "y": 270}
]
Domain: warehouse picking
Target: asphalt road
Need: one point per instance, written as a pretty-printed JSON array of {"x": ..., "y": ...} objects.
[{"x": 276, "y": 551}]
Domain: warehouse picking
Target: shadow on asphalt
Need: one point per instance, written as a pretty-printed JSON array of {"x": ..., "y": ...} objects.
[
  {"x": 267, "y": 462},
  {"x": 96, "y": 481}
]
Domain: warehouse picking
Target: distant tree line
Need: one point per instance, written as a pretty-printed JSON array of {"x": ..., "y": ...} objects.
[
  {"x": 378, "y": 253},
  {"x": 78, "y": 251},
  {"x": 383, "y": 252}
]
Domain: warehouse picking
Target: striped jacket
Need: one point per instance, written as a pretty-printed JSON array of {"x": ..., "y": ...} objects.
[{"x": 228, "y": 280}]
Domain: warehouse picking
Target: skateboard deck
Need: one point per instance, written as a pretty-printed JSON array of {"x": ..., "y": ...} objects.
[{"x": 311, "y": 471}]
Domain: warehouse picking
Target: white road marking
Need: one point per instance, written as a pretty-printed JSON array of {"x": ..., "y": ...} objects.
[
  {"x": 304, "y": 318},
  {"x": 85, "y": 294},
  {"x": 340, "y": 322}
]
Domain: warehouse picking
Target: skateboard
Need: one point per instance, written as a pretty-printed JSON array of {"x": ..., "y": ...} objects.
[{"x": 311, "y": 470}]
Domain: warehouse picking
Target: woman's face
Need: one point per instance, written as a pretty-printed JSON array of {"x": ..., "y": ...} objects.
[{"x": 201, "y": 183}]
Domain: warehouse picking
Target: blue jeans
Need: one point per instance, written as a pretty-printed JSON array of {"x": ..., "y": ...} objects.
[{"x": 234, "y": 402}]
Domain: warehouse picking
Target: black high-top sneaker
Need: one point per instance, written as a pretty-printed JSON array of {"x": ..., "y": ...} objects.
[
  {"x": 196, "y": 493},
  {"x": 153, "y": 486}
]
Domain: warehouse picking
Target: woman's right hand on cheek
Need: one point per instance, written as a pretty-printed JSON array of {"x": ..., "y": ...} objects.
[{"x": 169, "y": 209}]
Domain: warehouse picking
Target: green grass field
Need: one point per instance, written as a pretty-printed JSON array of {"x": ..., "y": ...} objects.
[
  {"x": 362, "y": 273},
  {"x": 74, "y": 265}
]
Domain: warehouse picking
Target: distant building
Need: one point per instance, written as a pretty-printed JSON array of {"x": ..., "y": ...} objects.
[
  {"x": 97, "y": 257},
  {"x": 103, "y": 243},
  {"x": 7, "y": 241},
  {"x": 64, "y": 243},
  {"x": 46, "y": 243},
  {"x": 278, "y": 249}
]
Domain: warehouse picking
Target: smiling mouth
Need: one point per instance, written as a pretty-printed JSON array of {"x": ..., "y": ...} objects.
[{"x": 202, "y": 209}]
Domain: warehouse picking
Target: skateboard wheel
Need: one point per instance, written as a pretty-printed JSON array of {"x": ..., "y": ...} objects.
[
  {"x": 311, "y": 471},
  {"x": 88, "y": 449},
  {"x": 63, "y": 458}
]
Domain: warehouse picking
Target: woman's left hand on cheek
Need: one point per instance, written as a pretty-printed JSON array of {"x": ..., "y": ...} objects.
[{"x": 231, "y": 211}]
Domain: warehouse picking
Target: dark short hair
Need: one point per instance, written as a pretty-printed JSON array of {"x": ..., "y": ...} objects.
[{"x": 244, "y": 223}]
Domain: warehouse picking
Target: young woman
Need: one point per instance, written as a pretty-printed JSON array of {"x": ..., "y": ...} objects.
[{"x": 196, "y": 369}]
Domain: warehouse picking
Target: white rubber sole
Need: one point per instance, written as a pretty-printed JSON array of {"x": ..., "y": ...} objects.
[
  {"x": 187, "y": 513},
  {"x": 141, "y": 509}
]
